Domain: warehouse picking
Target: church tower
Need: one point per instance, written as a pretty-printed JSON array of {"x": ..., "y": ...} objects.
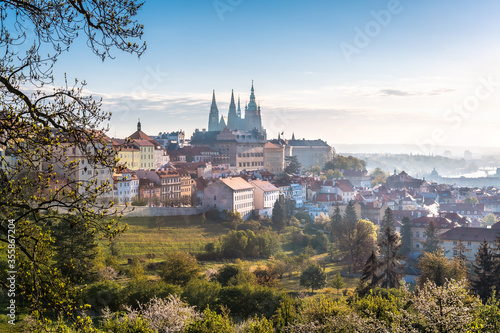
[
  {"x": 252, "y": 114},
  {"x": 213, "y": 119},
  {"x": 232, "y": 116}
]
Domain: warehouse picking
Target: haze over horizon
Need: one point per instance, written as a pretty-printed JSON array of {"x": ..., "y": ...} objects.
[{"x": 380, "y": 72}]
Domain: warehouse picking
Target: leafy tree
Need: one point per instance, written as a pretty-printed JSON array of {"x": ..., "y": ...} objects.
[
  {"x": 179, "y": 268},
  {"x": 364, "y": 242},
  {"x": 390, "y": 265},
  {"x": 483, "y": 281},
  {"x": 212, "y": 322},
  {"x": 337, "y": 282},
  {"x": 340, "y": 162},
  {"x": 378, "y": 176},
  {"x": 227, "y": 273},
  {"x": 314, "y": 276},
  {"x": 316, "y": 170},
  {"x": 431, "y": 243},
  {"x": 471, "y": 201},
  {"x": 370, "y": 277},
  {"x": 320, "y": 242},
  {"x": 446, "y": 308},
  {"x": 293, "y": 165},
  {"x": 436, "y": 268},
  {"x": 234, "y": 219},
  {"x": 201, "y": 293},
  {"x": 38, "y": 125},
  {"x": 331, "y": 174},
  {"x": 405, "y": 236},
  {"x": 279, "y": 217},
  {"x": 489, "y": 220}
]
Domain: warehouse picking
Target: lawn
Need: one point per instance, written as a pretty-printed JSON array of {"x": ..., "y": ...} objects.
[{"x": 155, "y": 237}]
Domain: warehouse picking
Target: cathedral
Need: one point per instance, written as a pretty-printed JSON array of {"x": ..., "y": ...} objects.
[{"x": 235, "y": 122}]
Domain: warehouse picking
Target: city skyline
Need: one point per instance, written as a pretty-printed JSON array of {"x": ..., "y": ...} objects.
[{"x": 379, "y": 72}]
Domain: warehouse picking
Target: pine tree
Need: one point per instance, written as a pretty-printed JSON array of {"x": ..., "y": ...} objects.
[
  {"x": 347, "y": 230},
  {"x": 460, "y": 253},
  {"x": 369, "y": 276},
  {"x": 387, "y": 220},
  {"x": 483, "y": 281},
  {"x": 337, "y": 282},
  {"x": 431, "y": 243},
  {"x": 405, "y": 236},
  {"x": 293, "y": 165},
  {"x": 391, "y": 268},
  {"x": 279, "y": 216},
  {"x": 336, "y": 223}
]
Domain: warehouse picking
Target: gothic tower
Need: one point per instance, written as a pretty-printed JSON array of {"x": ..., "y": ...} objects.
[
  {"x": 232, "y": 116},
  {"x": 252, "y": 114},
  {"x": 213, "y": 119}
]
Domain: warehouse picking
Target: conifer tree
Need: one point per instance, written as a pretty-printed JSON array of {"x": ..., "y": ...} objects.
[
  {"x": 483, "y": 281},
  {"x": 336, "y": 224},
  {"x": 279, "y": 216},
  {"x": 405, "y": 236},
  {"x": 390, "y": 265},
  {"x": 431, "y": 243},
  {"x": 370, "y": 277}
]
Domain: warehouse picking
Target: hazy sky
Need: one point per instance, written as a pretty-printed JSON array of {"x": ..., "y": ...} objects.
[{"x": 415, "y": 72}]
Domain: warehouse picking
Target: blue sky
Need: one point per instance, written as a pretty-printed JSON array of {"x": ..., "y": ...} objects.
[{"x": 403, "y": 83}]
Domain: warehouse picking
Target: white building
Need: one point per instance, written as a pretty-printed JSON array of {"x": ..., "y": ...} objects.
[
  {"x": 471, "y": 238},
  {"x": 126, "y": 186},
  {"x": 232, "y": 194},
  {"x": 265, "y": 196}
]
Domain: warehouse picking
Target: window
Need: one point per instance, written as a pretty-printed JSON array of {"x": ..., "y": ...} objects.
[
  {"x": 215, "y": 197},
  {"x": 469, "y": 243},
  {"x": 417, "y": 234}
]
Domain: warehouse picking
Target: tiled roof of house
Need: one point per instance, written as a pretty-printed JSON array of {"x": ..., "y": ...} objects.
[
  {"x": 236, "y": 183},
  {"x": 470, "y": 234}
]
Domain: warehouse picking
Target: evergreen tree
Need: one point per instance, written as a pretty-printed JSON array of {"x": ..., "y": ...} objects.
[
  {"x": 369, "y": 276},
  {"x": 279, "y": 216},
  {"x": 347, "y": 234},
  {"x": 460, "y": 251},
  {"x": 391, "y": 268},
  {"x": 387, "y": 221},
  {"x": 350, "y": 216},
  {"x": 405, "y": 236},
  {"x": 337, "y": 282},
  {"x": 431, "y": 243},
  {"x": 483, "y": 281},
  {"x": 293, "y": 165},
  {"x": 336, "y": 223}
]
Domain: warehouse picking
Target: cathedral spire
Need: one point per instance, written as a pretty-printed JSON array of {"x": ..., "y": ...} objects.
[
  {"x": 139, "y": 124},
  {"x": 213, "y": 119},
  {"x": 238, "y": 111},
  {"x": 232, "y": 116},
  {"x": 293, "y": 135}
]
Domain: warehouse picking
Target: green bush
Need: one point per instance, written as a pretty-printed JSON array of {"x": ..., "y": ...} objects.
[
  {"x": 144, "y": 290},
  {"x": 104, "y": 294}
]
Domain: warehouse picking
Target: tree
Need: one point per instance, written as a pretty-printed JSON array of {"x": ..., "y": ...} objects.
[
  {"x": 38, "y": 125},
  {"x": 234, "y": 219},
  {"x": 179, "y": 268},
  {"x": 471, "y": 201},
  {"x": 387, "y": 221},
  {"x": 336, "y": 224},
  {"x": 483, "y": 281},
  {"x": 370, "y": 277},
  {"x": 331, "y": 174},
  {"x": 489, "y": 220},
  {"x": 340, "y": 162},
  {"x": 316, "y": 170},
  {"x": 346, "y": 235},
  {"x": 431, "y": 243},
  {"x": 279, "y": 216},
  {"x": 337, "y": 282},
  {"x": 378, "y": 176},
  {"x": 364, "y": 242},
  {"x": 405, "y": 236},
  {"x": 436, "y": 268},
  {"x": 460, "y": 251},
  {"x": 390, "y": 266},
  {"x": 293, "y": 165},
  {"x": 313, "y": 276}
]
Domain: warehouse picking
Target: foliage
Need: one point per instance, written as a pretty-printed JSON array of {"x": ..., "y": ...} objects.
[
  {"x": 316, "y": 170},
  {"x": 258, "y": 325},
  {"x": 446, "y": 308},
  {"x": 431, "y": 243},
  {"x": 141, "y": 291},
  {"x": 278, "y": 217},
  {"x": 104, "y": 294},
  {"x": 212, "y": 322},
  {"x": 334, "y": 174},
  {"x": 314, "y": 277},
  {"x": 234, "y": 219},
  {"x": 436, "y": 268},
  {"x": 179, "y": 268},
  {"x": 38, "y": 125},
  {"x": 126, "y": 324},
  {"x": 379, "y": 176},
  {"x": 387, "y": 221},
  {"x": 405, "y": 236},
  {"x": 229, "y": 275},
  {"x": 483, "y": 281},
  {"x": 246, "y": 243},
  {"x": 293, "y": 165},
  {"x": 370, "y": 276},
  {"x": 337, "y": 282},
  {"x": 201, "y": 293},
  {"x": 471, "y": 201},
  {"x": 390, "y": 265},
  {"x": 340, "y": 162},
  {"x": 489, "y": 220}
]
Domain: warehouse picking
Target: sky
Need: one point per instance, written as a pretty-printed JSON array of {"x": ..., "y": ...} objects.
[{"x": 423, "y": 73}]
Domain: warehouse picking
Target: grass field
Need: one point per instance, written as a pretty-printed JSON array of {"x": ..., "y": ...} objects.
[{"x": 155, "y": 237}]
